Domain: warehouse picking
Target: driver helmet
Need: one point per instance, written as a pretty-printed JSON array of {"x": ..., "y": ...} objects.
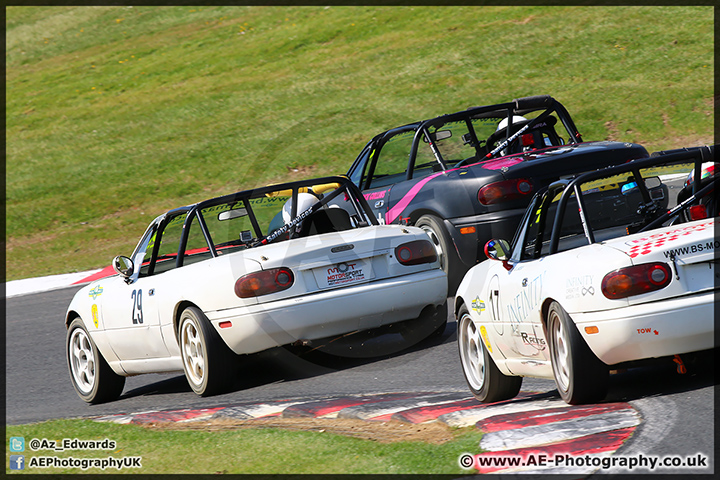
[
  {"x": 515, "y": 119},
  {"x": 305, "y": 201}
]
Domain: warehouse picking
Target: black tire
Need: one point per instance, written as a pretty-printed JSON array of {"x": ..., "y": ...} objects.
[
  {"x": 579, "y": 375},
  {"x": 92, "y": 377},
  {"x": 205, "y": 356},
  {"x": 449, "y": 260},
  {"x": 487, "y": 383}
]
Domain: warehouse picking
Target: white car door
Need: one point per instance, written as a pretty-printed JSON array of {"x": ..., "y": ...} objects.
[
  {"x": 520, "y": 303},
  {"x": 521, "y": 293},
  {"x": 130, "y": 307},
  {"x": 131, "y": 318}
]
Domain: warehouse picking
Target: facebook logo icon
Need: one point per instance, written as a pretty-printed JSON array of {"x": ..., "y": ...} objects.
[{"x": 17, "y": 462}]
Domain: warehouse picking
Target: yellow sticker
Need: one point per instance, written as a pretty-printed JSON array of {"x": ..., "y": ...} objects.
[
  {"x": 94, "y": 315},
  {"x": 478, "y": 305},
  {"x": 485, "y": 338}
]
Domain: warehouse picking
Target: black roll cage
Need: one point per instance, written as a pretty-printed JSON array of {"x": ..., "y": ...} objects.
[
  {"x": 518, "y": 106},
  {"x": 353, "y": 194},
  {"x": 696, "y": 155}
]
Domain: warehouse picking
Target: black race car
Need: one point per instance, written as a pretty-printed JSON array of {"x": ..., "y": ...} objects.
[{"x": 467, "y": 177}]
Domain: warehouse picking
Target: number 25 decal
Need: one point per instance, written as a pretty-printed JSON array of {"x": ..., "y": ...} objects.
[{"x": 137, "y": 314}]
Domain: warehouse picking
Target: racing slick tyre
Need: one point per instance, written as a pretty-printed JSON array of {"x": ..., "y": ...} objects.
[
  {"x": 449, "y": 260},
  {"x": 92, "y": 377},
  {"x": 487, "y": 383},
  {"x": 204, "y": 354},
  {"x": 580, "y": 376}
]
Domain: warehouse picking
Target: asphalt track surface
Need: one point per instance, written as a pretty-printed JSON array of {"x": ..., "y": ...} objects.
[{"x": 677, "y": 410}]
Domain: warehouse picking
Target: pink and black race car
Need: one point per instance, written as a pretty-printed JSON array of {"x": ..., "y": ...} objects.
[{"x": 467, "y": 177}]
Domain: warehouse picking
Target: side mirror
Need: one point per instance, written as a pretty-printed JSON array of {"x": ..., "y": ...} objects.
[
  {"x": 123, "y": 266},
  {"x": 497, "y": 250}
]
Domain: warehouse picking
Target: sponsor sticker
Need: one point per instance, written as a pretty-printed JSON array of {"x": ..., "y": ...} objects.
[
  {"x": 656, "y": 241},
  {"x": 578, "y": 287},
  {"x": 374, "y": 195},
  {"x": 343, "y": 273},
  {"x": 96, "y": 292},
  {"x": 533, "y": 340},
  {"x": 478, "y": 305},
  {"x": 486, "y": 339},
  {"x": 94, "y": 311}
]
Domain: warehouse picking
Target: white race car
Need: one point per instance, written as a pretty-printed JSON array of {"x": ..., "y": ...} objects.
[
  {"x": 600, "y": 274},
  {"x": 301, "y": 262}
]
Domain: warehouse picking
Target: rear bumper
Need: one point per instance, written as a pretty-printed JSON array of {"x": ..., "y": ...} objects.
[
  {"x": 470, "y": 246},
  {"x": 331, "y": 312},
  {"x": 657, "y": 329}
]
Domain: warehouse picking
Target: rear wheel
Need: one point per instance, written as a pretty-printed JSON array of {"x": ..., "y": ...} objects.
[
  {"x": 579, "y": 375},
  {"x": 204, "y": 355},
  {"x": 487, "y": 383},
  {"x": 92, "y": 377},
  {"x": 449, "y": 260}
]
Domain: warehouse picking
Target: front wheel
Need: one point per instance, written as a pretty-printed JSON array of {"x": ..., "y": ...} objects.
[
  {"x": 449, "y": 260},
  {"x": 580, "y": 376},
  {"x": 92, "y": 377},
  {"x": 487, "y": 383},
  {"x": 204, "y": 354}
]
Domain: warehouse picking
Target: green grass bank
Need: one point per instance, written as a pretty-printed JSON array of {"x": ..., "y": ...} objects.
[
  {"x": 116, "y": 114},
  {"x": 246, "y": 451}
]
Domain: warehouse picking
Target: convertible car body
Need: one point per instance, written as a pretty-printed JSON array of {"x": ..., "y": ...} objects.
[
  {"x": 604, "y": 270},
  {"x": 468, "y": 176},
  {"x": 293, "y": 263}
]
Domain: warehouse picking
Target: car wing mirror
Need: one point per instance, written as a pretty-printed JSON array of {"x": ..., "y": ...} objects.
[
  {"x": 498, "y": 249},
  {"x": 123, "y": 266}
]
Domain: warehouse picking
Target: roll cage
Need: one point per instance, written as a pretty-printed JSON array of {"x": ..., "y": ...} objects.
[
  {"x": 363, "y": 170},
  {"x": 152, "y": 238},
  {"x": 573, "y": 188}
]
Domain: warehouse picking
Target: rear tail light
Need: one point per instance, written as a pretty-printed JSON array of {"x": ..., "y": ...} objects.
[
  {"x": 416, "y": 252},
  {"x": 636, "y": 280},
  {"x": 505, "y": 190},
  {"x": 698, "y": 212},
  {"x": 264, "y": 282}
]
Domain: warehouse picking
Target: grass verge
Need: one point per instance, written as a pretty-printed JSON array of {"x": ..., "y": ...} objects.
[
  {"x": 244, "y": 450},
  {"x": 116, "y": 114}
]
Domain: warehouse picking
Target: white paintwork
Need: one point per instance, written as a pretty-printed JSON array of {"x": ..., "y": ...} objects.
[{"x": 674, "y": 320}]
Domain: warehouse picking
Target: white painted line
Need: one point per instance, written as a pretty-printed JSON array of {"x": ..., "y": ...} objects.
[
  {"x": 558, "y": 431},
  {"x": 121, "y": 419},
  {"x": 466, "y": 418},
  {"x": 369, "y": 411},
  {"x": 253, "y": 411},
  {"x": 26, "y": 286},
  {"x": 204, "y": 416}
]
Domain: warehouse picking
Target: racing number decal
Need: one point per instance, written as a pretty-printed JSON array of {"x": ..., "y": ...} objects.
[{"x": 137, "y": 315}]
